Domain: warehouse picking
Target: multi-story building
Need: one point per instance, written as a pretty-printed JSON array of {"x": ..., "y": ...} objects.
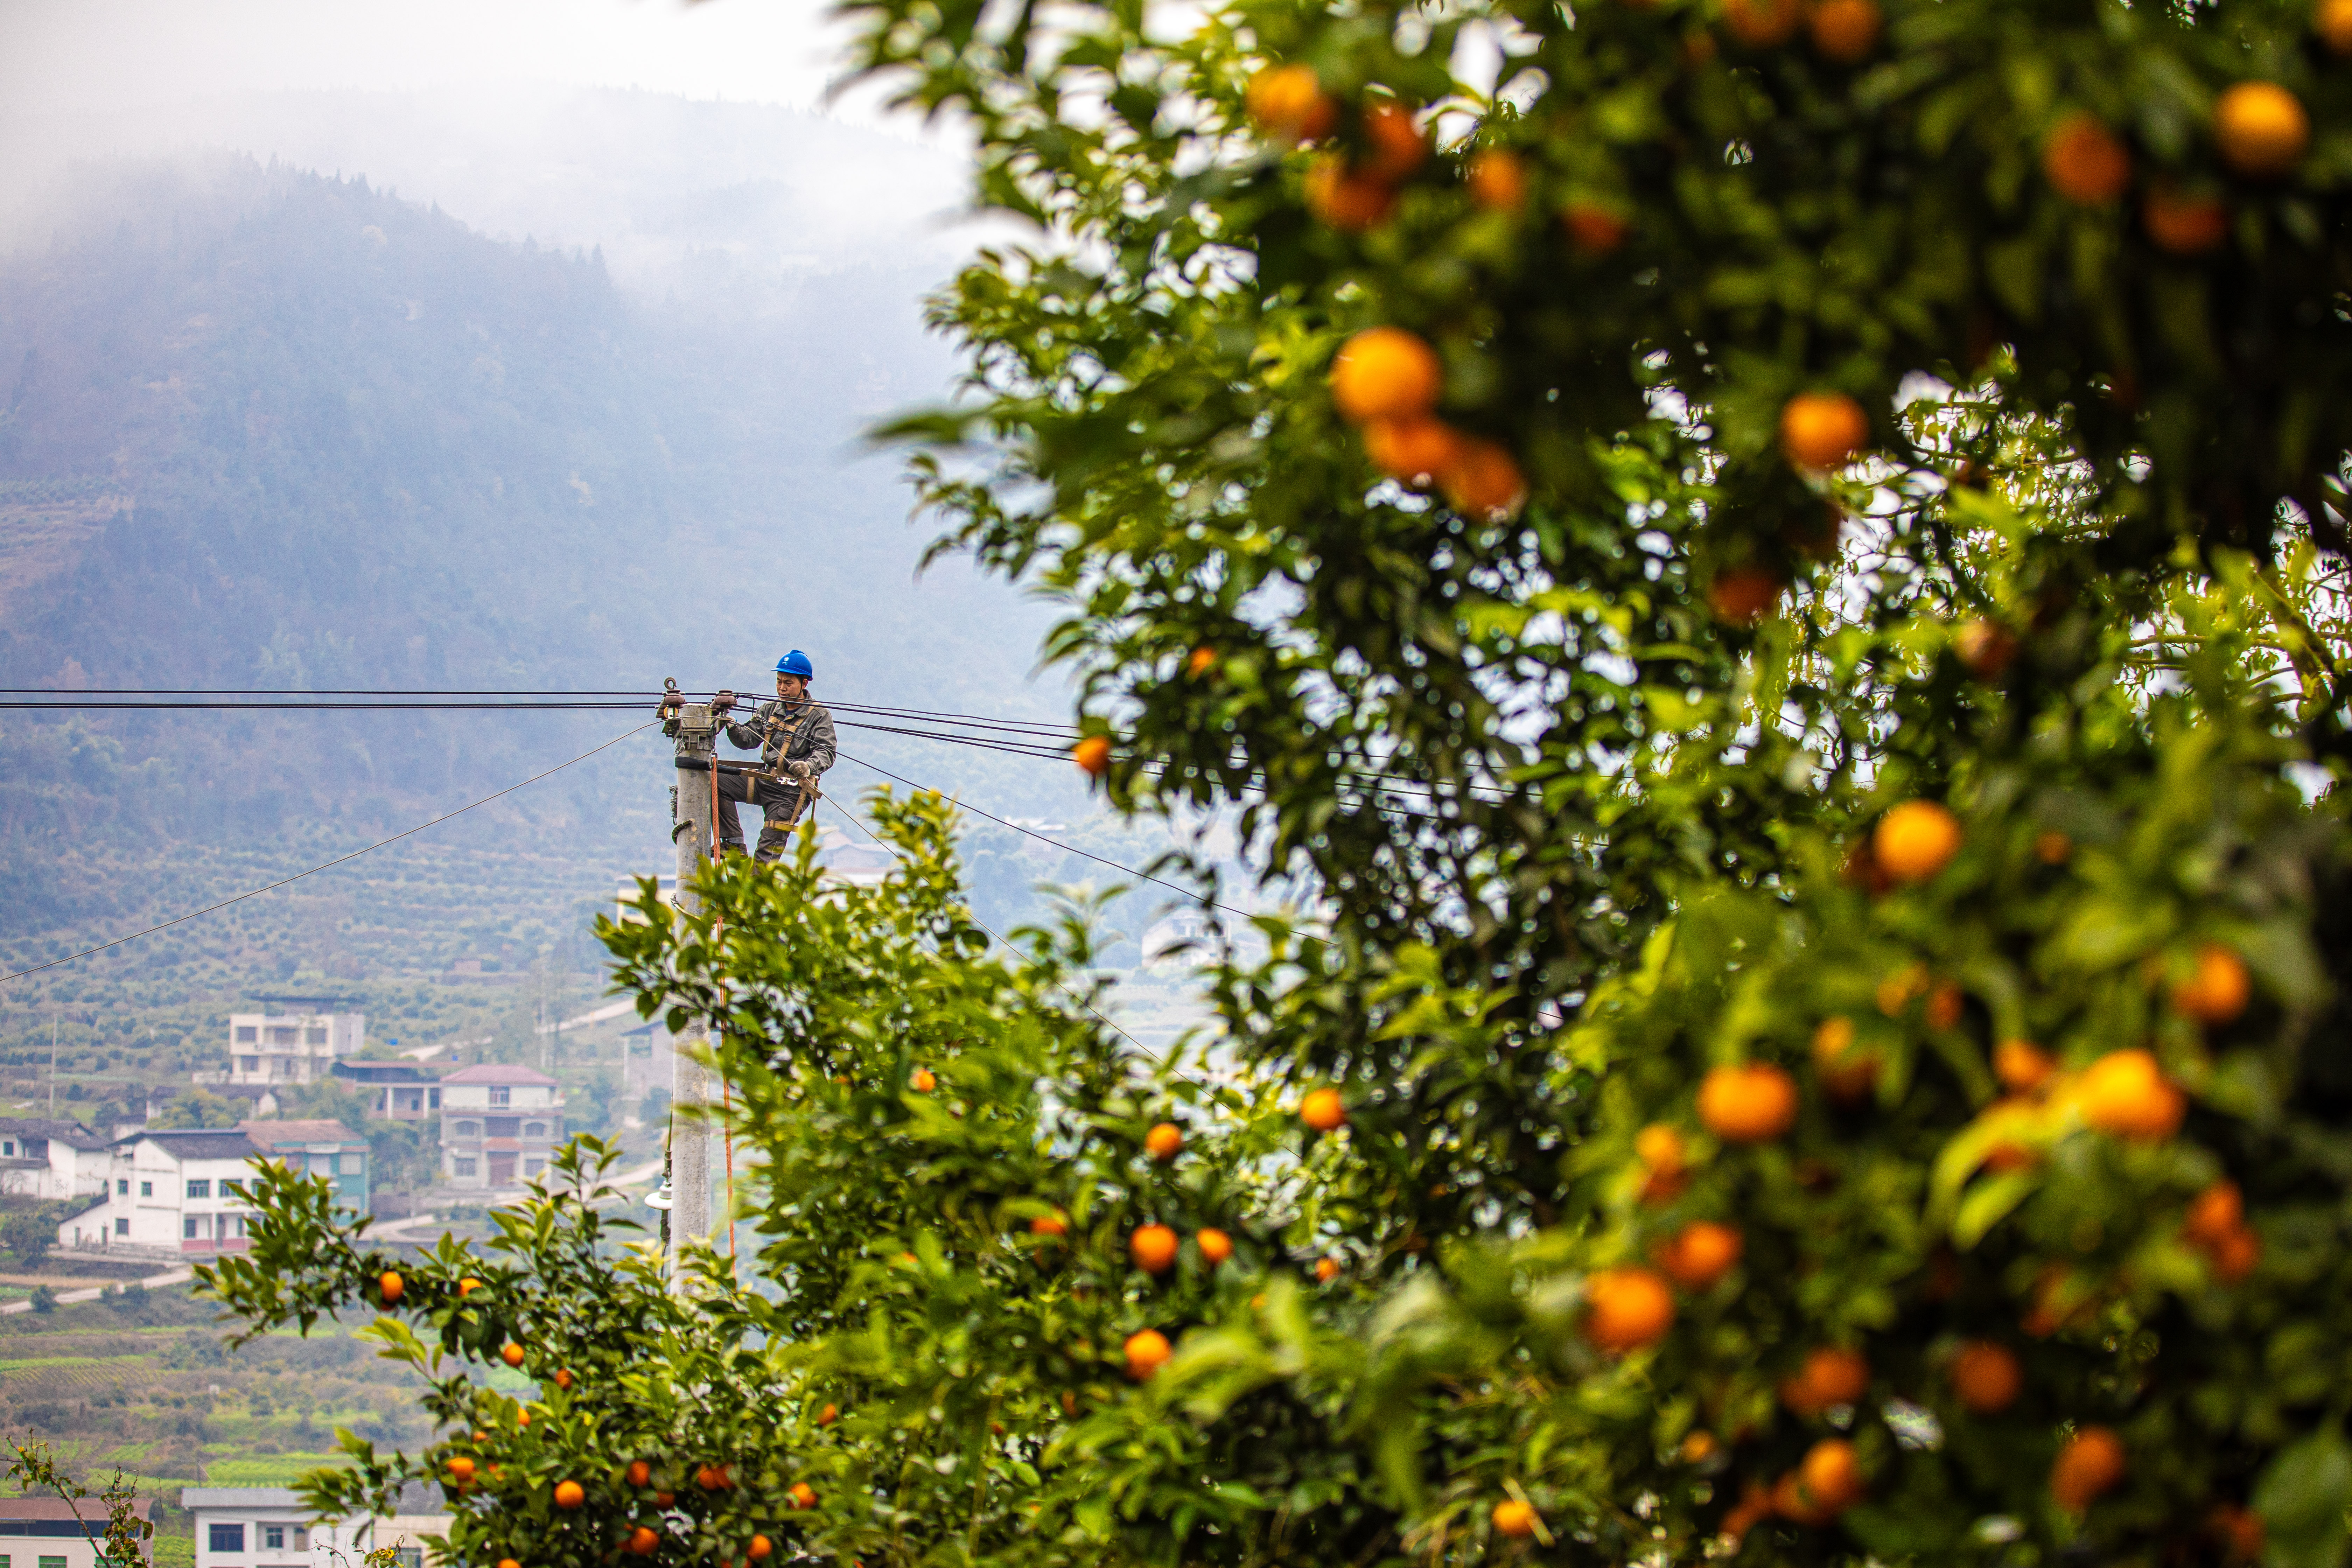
[
  {"x": 498, "y": 1124},
  {"x": 58, "y": 1161},
  {"x": 171, "y": 1194},
  {"x": 326, "y": 1149},
  {"x": 266, "y": 1527},
  {"x": 296, "y": 1043},
  {"x": 50, "y": 1532},
  {"x": 396, "y": 1092}
]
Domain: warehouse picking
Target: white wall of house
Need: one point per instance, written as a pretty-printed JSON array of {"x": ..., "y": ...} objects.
[
  {"x": 498, "y": 1134},
  {"x": 165, "y": 1197},
  {"x": 290, "y": 1047},
  {"x": 266, "y": 1527}
]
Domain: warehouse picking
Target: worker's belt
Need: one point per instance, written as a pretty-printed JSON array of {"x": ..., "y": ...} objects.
[{"x": 741, "y": 780}]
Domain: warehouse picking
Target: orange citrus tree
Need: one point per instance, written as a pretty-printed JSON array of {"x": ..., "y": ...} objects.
[{"x": 1775, "y": 570}]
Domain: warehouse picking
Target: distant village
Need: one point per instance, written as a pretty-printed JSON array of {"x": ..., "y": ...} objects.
[{"x": 141, "y": 1192}]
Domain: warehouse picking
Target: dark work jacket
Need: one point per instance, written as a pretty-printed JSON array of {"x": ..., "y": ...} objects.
[{"x": 782, "y": 733}]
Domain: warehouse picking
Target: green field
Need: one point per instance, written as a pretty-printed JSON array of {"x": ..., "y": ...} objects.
[{"x": 148, "y": 1388}]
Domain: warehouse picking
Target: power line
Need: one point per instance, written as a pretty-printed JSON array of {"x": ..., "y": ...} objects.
[{"x": 329, "y": 865}]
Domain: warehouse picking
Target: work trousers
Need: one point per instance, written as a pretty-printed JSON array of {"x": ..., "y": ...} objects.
[{"x": 780, "y": 804}]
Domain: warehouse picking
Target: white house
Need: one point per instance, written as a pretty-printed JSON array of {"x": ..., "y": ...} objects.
[
  {"x": 53, "y": 1160},
  {"x": 266, "y": 1527},
  {"x": 498, "y": 1124},
  {"x": 291, "y": 1046},
  {"x": 171, "y": 1198},
  {"x": 49, "y": 1533}
]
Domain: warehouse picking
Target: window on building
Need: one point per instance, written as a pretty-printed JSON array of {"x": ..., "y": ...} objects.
[
  {"x": 226, "y": 1538},
  {"x": 122, "y": 1227},
  {"x": 203, "y": 1189},
  {"x": 247, "y": 1034},
  {"x": 7, "y": 1149},
  {"x": 534, "y": 1129},
  {"x": 502, "y": 1095},
  {"x": 466, "y": 1130},
  {"x": 301, "y": 1539},
  {"x": 188, "y": 1227},
  {"x": 402, "y": 1557},
  {"x": 53, "y": 1563},
  {"x": 146, "y": 1189},
  {"x": 532, "y": 1167},
  {"x": 464, "y": 1167},
  {"x": 248, "y": 1064},
  {"x": 314, "y": 1037},
  {"x": 273, "y": 1537},
  {"x": 284, "y": 1037},
  {"x": 433, "y": 1098},
  {"x": 123, "y": 1187}
]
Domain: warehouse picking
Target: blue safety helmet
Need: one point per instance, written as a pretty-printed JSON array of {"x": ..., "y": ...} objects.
[{"x": 796, "y": 663}]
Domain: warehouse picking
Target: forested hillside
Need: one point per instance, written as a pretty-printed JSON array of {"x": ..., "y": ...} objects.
[{"x": 265, "y": 429}]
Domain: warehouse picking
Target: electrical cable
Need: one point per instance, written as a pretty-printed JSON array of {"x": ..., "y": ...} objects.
[{"x": 330, "y": 864}]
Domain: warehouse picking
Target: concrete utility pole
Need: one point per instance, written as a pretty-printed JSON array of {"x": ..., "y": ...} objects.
[{"x": 691, "y": 826}]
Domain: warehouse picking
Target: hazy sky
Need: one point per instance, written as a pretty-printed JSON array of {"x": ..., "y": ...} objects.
[{"x": 125, "y": 54}]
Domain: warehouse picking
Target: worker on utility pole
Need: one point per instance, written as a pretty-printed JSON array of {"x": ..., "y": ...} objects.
[{"x": 793, "y": 735}]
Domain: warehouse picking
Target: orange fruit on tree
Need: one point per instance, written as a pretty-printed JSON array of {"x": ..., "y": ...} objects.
[
  {"x": 1986, "y": 1377},
  {"x": 1754, "y": 1507},
  {"x": 1413, "y": 450},
  {"x": 1514, "y": 1518},
  {"x": 2127, "y": 1094},
  {"x": 1916, "y": 841},
  {"x": 2214, "y": 1213},
  {"x": 1984, "y": 648},
  {"x": 2236, "y": 1255},
  {"x": 2240, "y": 1530},
  {"x": 1822, "y": 430},
  {"x": 1660, "y": 1150},
  {"x": 511, "y": 1354},
  {"x": 2083, "y": 162},
  {"x": 1761, "y": 24},
  {"x": 390, "y": 1287},
  {"x": 1146, "y": 1353},
  {"x": 2090, "y": 1463},
  {"x": 1385, "y": 373},
  {"x": 1847, "y": 1074},
  {"x": 1289, "y": 102},
  {"x": 522, "y": 1417},
  {"x": 643, "y": 1540},
  {"x": 2184, "y": 226},
  {"x": 1701, "y": 1252},
  {"x": 829, "y": 1414},
  {"x": 1202, "y": 660},
  {"x": 1323, "y": 1110},
  {"x": 1215, "y": 1244},
  {"x": 467, "y": 1287},
  {"x": 1399, "y": 146},
  {"x": 923, "y": 1083},
  {"x": 2334, "y": 22},
  {"x": 460, "y": 1469},
  {"x": 1830, "y": 1375},
  {"x": 1945, "y": 1003},
  {"x": 2217, "y": 990},
  {"x": 1344, "y": 199},
  {"x": 1497, "y": 179},
  {"x": 1831, "y": 1475},
  {"x": 640, "y": 1473},
  {"x": 1595, "y": 229},
  {"x": 1846, "y": 30},
  {"x": 1092, "y": 755},
  {"x": 1792, "y": 1502},
  {"x": 1326, "y": 1270},
  {"x": 1153, "y": 1247},
  {"x": 564, "y": 1378},
  {"x": 1751, "y": 1102},
  {"x": 2022, "y": 1066},
  {"x": 509, "y": 1563},
  {"x": 1049, "y": 1225},
  {"x": 1482, "y": 479},
  {"x": 760, "y": 1548},
  {"x": 1696, "y": 1448},
  {"x": 663, "y": 1499},
  {"x": 1744, "y": 594},
  {"x": 802, "y": 1495},
  {"x": 2053, "y": 847},
  {"x": 1163, "y": 1141},
  {"x": 1627, "y": 1308},
  {"x": 570, "y": 1494},
  {"x": 2261, "y": 127}
]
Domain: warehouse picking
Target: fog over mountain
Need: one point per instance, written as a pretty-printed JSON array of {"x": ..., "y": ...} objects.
[{"x": 563, "y": 390}]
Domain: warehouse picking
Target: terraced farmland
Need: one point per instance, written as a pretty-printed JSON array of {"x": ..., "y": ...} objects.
[{"x": 145, "y": 1385}]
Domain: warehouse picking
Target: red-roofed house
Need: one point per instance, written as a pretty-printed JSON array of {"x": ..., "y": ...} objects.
[{"x": 498, "y": 1124}]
